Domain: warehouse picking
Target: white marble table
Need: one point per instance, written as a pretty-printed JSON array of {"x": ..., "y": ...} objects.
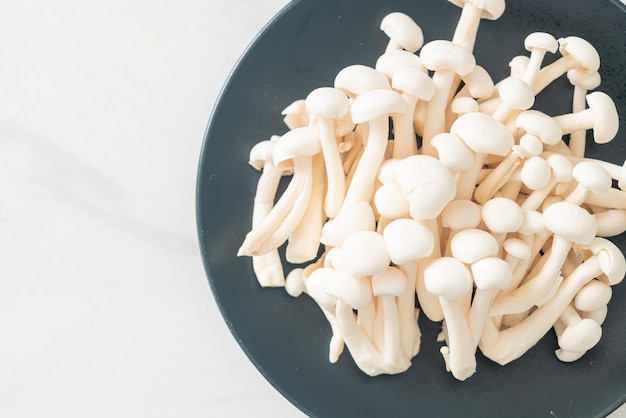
[{"x": 105, "y": 310}]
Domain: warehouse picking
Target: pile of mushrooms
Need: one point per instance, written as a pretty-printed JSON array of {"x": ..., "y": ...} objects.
[{"x": 421, "y": 178}]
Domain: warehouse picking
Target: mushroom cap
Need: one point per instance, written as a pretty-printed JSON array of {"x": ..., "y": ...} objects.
[
  {"x": 299, "y": 142},
  {"x": 516, "y": 93},
  {"x": 357, "y": 79},
  {"x": 364, "y": 253},
  {"x": 581, "y": 336},
  {"x": 491, "y": 273},
  {"x": 386, "y": 171},
  {"x": 261, "y": 153},
  {"x": 295, "y": 115},
  {"x": 502, "y": 214},
  {"x": 376, "y": 103},
  {"x": 403, "y": 30},
  {"x": 355, "y": 291},
  {"x": 536, "y": 173},
  {"x": 606, "y": 119},
  {"x": 561, "y": 167},
  {"x": 568, "y": 356},
  {"x": 407, "y": 240},
  {"x": 611, "y": 259},
  {"x": 518, "y": 65},
  {"x": 294, "y": 282},
  {"x": 492, "y": 9},
  {"x": 479, "y": 83},
  {"x": 355, "y": 218},
  {"x": 581, "y": 51},
  {"x": 592, "y": 176},
  {"x": 541, "y": 125},
  {"x": 428, "y": 184},
  {"x": 593, "y": 296},
  {"x": 447, "y": 277},
  {"x": 571, "y": 222},
  {"x": 461, "y": 214},
  {"x": 517, "y": 248},
  {"x": 452, "y": 151},
  {"x": 483, "y": 134},
  {"x": 391, "y": 61},
  {"x": 327, "y": 103},
  {"x": 391, "y": 202},
  {"x": 541, "y": 40},
  {"x": 470, "y": 245},
  {"x": 444, "y": 55},
  {"x": 316, "y": 287},
  {"x": 462, "y": 105},
  {"x": 412, "y": 81},
  {"x": 530, "y": 145},
  {"x": 391, "y": 283},
  {"x": 585, "y": 80}
]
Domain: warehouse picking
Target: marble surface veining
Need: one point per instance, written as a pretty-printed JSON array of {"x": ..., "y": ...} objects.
[{"x": 105, "y": 310}]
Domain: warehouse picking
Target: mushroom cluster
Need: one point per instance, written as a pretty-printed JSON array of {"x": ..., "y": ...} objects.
[{"x": 420, "y": 179}]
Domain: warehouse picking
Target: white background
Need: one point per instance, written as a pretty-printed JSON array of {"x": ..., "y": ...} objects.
[{"x": 105, "y": 310}]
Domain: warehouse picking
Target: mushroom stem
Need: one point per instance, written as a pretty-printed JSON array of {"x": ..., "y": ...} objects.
[
  {"x": 508, "y": 345},
  {"x": 467, "y": 26},
  {"x": 336, "y": 185},
  {"x": 304, "y": 241},
  {"x": 538, "y": 285},
  {"x": 428, "y": 302},
  {"x": 435, "y": 111},
  {"x": 410, "y": 336},
  {"x": 404, "y": 142},
  {"x": 461, "y": 359},
  {"x": 577, "y": 138},
  {"x": 267, "y": 268},
  {"x": 576, "y": 121}
]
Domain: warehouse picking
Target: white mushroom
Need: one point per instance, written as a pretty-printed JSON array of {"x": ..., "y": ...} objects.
[
  {"x": 373, "y": 108},
  {"x": 601, "y": 116},
  {"x": 506, "y": 346},
  {"x": 472, "y": 12},
  {"x": 570, "y": 224},
  {"x": 576, "y": 53},
  {"x": 582, "y": 82},
  {"x": 446, "y": 59},
  {"x": 450, "y": 280},
  {"x": 402, "y": 31},
  {"x": 538, "y": 43},
  {"x": 295, "y": 148},
  {"x": 329, "y": 104}
]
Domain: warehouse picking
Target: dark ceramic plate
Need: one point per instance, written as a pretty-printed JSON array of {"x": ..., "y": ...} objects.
[{"x": 286, "y": 338}]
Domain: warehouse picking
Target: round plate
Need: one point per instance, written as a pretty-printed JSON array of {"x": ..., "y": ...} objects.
[{"x": 287, "y": 338}]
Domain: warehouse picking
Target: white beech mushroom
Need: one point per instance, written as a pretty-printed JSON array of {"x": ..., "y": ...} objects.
[
  {"x": 576, "y": 53},
  {"x": 537, "y": 43},
  {"x": 471, "y": 14},
  {"x": 267, "y": 267},
  {"x": 414, "y": 86},
  {"x": 446, "y": 59},
  {"x": 484, "y": 135},
  {"x": 582, "y": 82},
  {"x": 402, "y": 31},
  {"x": 329, "y": 104},
  {"x": 570, "y": 224},
  {"x": 490, "y": 274},
  {"x": 394, "y": 60},
  {"x": 508, "y": 345},
  {"x": 374, "y": 108},
  {"x": 304, "y": 240},
  {"x": 408, "y": 241},
  {"x": 601, "y": 116},
  {"x": 295, "y": 148},
  {"x": 450, "y": 280},
  {"x": 493, "y": 178}
]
